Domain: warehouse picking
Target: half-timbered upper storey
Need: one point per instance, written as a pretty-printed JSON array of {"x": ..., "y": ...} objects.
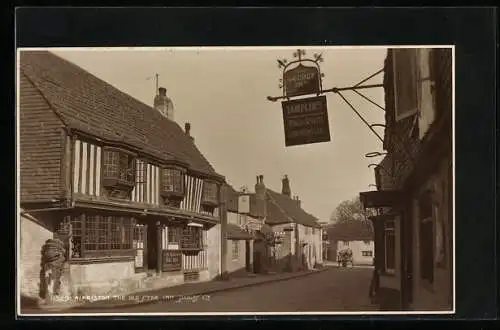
[{"x": 84, "y": 141}]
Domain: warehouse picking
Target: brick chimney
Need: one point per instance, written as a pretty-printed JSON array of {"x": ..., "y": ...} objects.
[
  {"x": 164, "y": 104},
  {"x": 285, "y": 186},
  {"x": 260, "y": 196},
  {"x": 297, "y": 200}
]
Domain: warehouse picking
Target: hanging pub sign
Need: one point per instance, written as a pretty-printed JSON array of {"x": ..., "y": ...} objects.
[
  {"x": 306, "y": 121},
  {"x": 301, "y": 80}
]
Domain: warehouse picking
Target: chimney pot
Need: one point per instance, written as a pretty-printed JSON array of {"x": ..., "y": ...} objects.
[
  {"x": 285, "y": 187},
  {"x": 187, "y": 128}
]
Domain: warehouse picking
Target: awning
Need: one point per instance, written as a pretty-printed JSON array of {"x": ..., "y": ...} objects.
[
  {"x": 234, "y": 232},
  {"x": 382, "y": 198},
  {"x": 382, "y": 217}
]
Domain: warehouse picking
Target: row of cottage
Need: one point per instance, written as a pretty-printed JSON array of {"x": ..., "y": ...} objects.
[{"x": 115, "y": 197}]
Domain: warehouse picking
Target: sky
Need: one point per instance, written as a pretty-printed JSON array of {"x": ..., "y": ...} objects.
[{"x": 222, "y": 93}]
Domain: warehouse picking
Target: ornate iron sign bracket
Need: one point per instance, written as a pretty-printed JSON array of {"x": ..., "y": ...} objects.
[{"x": 307, "y": 80}]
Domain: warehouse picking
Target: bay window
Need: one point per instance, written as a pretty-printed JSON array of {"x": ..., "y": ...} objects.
[
  {"x": 118, "y": 168},
  {"x": 96, "y": 235},
  {"x": 172, "y": 181},
  {"x": 172, "y": 186},
  {"x": 210, "y": 193}
]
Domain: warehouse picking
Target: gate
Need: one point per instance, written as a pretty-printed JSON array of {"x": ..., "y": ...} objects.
[{"x": 139, "y": 244}]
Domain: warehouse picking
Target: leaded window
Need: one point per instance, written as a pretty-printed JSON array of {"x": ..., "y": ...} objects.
[
  {"x": 96, "y": 234},
  {"x": 210, "y": 193},
  {"x": 172, "y": 181},
  {"x": 118, "y": 168}
]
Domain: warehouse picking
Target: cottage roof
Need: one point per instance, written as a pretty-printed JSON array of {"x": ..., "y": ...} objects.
[
  {"x": 88, "y": 104},
  {"x": 283, "y": 209}
]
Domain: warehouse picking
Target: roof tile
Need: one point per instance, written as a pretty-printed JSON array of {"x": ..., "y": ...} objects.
[{"x": 93, "y": 106}]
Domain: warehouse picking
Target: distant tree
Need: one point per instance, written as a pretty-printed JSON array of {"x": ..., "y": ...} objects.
[
  {"x": 350, "y": 221},
  {"x": 350, "y": 210}
]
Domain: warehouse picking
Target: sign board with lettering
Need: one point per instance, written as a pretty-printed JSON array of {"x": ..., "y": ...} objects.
[
  {"x": 301, "y": 80},
  {"x": 244, "y": 204},
  {"x": 172, "y": 260},
  {"x": 306, "y": 121}
]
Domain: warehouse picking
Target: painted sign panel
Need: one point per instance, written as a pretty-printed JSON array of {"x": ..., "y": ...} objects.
[
  {"x": 172, "y": 260},
  {"x": 306, "y": 121},
  {"x": 301, "y": 80},
  {"x": 244, "y": 204}
]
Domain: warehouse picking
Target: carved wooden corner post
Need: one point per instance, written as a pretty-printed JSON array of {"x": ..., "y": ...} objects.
[{"x": 52, "y": 264}]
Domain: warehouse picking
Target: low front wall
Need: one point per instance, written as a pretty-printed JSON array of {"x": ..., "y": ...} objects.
[{"x": 103, "y": 278}]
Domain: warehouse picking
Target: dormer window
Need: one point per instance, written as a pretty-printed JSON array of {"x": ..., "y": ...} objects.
[
  {"x": 172, "y": 185},
  {"x": 210, "y": 194},
  {"x": 118, "y": 172}
]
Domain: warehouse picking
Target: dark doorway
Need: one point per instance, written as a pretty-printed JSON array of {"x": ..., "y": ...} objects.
[
  {"x": 152, "y": 247},
  {"x": 248, "y": 265},
  {"x": 407, "y": 258},
  {"x": 257, "y": 257}
]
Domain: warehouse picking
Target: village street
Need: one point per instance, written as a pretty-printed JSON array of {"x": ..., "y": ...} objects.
[{"x": 335, "y": 289}]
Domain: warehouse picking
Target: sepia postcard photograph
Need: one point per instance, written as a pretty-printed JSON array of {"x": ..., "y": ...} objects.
[{"x": 235, "y": 180}]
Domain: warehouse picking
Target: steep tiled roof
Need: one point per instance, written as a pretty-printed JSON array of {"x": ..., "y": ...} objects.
[
  {"x": 283, "y": 209},
  {"x": 89, "y": 104}
]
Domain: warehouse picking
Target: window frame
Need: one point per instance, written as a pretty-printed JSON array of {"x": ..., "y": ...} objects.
[
  {"x": 367, "y": 253},
  {"x": 235, "y": 250},
  {"x": 413, "y": 72}
]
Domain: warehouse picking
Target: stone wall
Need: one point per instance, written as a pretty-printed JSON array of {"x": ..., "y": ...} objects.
[
  {"x": 33, "y": 234},
  {"x": 102, "y": 278},
  {"x": 214, "y": 251},
  {"x": 238, "y": 264}
]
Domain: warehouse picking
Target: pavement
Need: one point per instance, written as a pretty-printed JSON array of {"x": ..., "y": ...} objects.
[
  {"x": 329, "y": 290},
  {"x": 168, "y": 294}
]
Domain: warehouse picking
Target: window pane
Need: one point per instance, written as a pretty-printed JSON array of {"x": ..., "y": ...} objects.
[{"x": 172, "y": 180}]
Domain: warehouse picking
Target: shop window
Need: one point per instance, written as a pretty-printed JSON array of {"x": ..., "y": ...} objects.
[
  {"x": 96, "y": 235},
  {"x": 390, "y": 247},
  {"x": 426, "y": 239},
  {"x": 235, "y": 250}
]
